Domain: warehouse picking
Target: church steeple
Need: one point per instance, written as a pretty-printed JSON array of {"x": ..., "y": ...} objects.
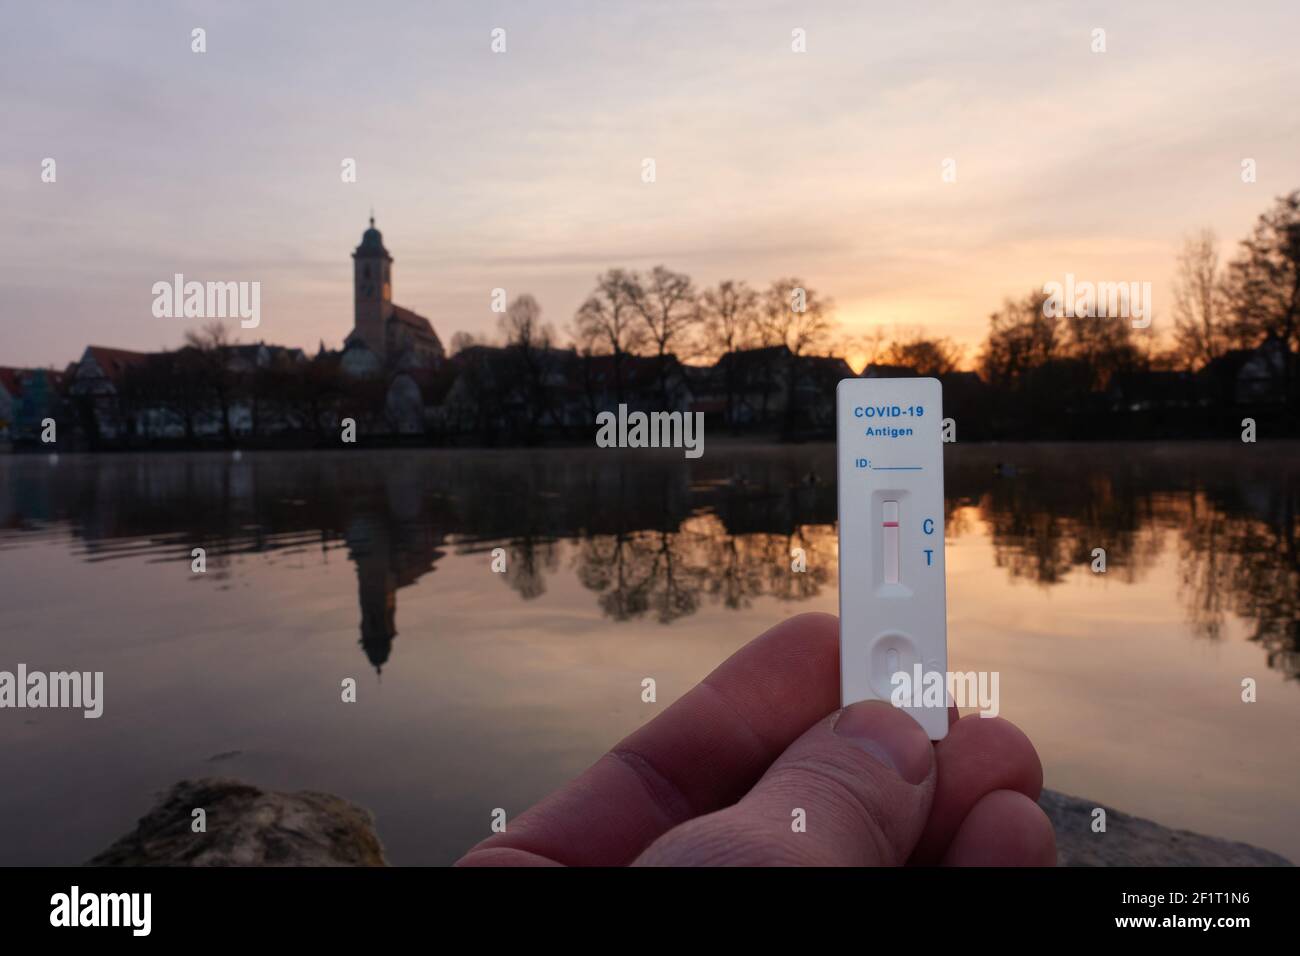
[
  {"x": 372, "y": 283},
  {"x": 372, "y": 243}
]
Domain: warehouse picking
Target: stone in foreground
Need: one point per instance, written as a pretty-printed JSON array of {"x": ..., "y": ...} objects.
[
  {"x": 248, "y": 826},
  {"x": 1133, "y": 841}
]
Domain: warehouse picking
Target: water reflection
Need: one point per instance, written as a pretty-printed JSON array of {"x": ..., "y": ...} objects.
[{"x": 658, "y": 538}]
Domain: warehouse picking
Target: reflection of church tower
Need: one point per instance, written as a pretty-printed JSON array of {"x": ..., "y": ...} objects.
[
  {"x": 368, "y": 546},
  {"x": 388, "y": 555},
  {"x": 372, "y": 283}
]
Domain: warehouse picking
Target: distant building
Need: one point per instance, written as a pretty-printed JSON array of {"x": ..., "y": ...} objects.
[
  {"x": 1248, "y": 376},
  {"x": 96, "y": 390},
  {"x": 11, "y": 391},
  {"x": 757, "y": 382},
  {"x": 876, "y": 370},
  {"x": 642, "y": 382},
  {"x": 493, "y": 390},
  {"x": 754, "y": 387},
  {"x": 27, "y": 397},
  {"x": 259, "y": 355},
  {"x": 385, "y": 337},
  {"x": 817, "y": 378}
]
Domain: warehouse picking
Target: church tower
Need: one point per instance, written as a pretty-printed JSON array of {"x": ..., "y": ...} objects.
[{"x": 372, "y": 284}]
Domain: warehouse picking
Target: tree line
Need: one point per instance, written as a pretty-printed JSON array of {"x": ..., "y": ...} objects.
[
  {"x": 1039, "y": 368},
  {"x": 645, "y": 333}
]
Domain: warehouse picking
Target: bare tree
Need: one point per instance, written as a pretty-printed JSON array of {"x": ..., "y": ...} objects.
[
  {"x": 521, "y": 324},
  {"x": 462, "y": 341},
  {"x": 794, "y": 316},
  {"x": 528, "y": 347},
  {"x": 608, "y": 323},
  {"x": 1044, "y": 369},
  {"x": 728, "y": 317},
  {"x": 925, "y": 355},
  {"x": 1101, "y": 349},
  {"x": 1021, "y": 339},
  {"x": 729, "y": 323},
  {"x": 867, "y": 346},
  {"x": 1200, "y": 314},
  {"x": 1263, "y": 283},
  {"x": 211, "y": 351},
  {"x": 666, "y": 302}
]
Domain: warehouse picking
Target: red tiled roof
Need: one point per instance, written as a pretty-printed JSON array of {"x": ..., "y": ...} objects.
[
  {"x": 11, "y": 381},
  {"x": 113, "y": 362},
  {"x": 634, "y": 371},
  {"x": 14, "y": 380},
  {"x": 407, "y": 317}
]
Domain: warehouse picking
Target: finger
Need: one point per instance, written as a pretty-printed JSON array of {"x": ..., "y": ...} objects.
[
  {"x": 860, "y": 782},
  {"x": 979, "y": 755},
  {"x": 702, "y": 753},
  {"x": 1005, "y": 828}
]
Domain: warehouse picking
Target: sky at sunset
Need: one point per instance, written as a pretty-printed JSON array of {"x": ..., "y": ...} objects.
[{"x": 522, "y": 170}]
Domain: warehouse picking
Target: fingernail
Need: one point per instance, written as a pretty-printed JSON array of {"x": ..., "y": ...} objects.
[{"x": 889, "y": 735}]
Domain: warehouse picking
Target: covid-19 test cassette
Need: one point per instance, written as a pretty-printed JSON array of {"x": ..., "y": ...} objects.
[{"x": 893, "y": 609}]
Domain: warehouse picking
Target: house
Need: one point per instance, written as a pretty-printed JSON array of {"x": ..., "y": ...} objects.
[
  {"x": 1150, "y": 389},
  {"x": 500, "y": 390},
  {"x": 753, "y": 383},
  {"x": 259, "y": 355},
  {"x": 641, "y": 382},
  {"x": 876, "y": 370},
  {"x": 29, "y": 396},
  {"x": 412, "y": 401},
  {"x": 818, "y": 377},
  {"x": 11, "y": 390},
  {"x": 1248, "y": 376},
  {"x": 96, "y": 391},
  {"x": 758, "y": 386}
]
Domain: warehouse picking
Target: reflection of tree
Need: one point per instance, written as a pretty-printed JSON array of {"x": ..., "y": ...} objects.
[
  {"x": 668, "y": 573},
  {"x": 640, "y": 572},
  {"x": 654, "y": 536},
  {"x": 1234, "y": 520},
  {"x": 528, "y": 559},
  {"x": 604, "y": 566},
  {"x": 1201, "y": 567},
  {"x": 819, "y": 547},
  {"x": 1042, "y": 530},
  {"x": 1248, "y": 567},
  {"x": 736, "y": 577},
  {"x": 674, "y": 580}
]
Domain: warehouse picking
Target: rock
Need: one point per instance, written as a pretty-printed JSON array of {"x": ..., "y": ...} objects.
[
  {"x": 1133, "y": 841},
  {"x": 248, "y": 826}
]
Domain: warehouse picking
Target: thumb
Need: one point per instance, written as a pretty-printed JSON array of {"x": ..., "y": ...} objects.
[{"x": 864, "y": 778}]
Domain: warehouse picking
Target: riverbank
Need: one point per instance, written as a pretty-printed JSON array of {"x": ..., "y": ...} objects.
[{"x": 248, "y": 826}]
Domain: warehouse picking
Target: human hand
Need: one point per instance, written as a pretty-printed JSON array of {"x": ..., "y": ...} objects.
[{"x": 715, "y": 778}]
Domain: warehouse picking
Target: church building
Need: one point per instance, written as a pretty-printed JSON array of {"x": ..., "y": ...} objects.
[{"x": 385, "y": 337}]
